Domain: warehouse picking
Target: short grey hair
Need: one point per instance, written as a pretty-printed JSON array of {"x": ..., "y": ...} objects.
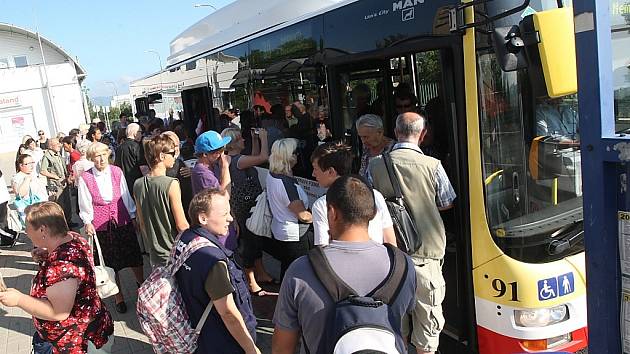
[
  {"x": 132, "y": 130},
  {"x": 370, "y": 121},
  {"x": 83, "y": 146},
  {"x": 406, "y": 128}
]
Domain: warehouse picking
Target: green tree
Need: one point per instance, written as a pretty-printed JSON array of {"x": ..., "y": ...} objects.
[{"x": 126, "y": 109}]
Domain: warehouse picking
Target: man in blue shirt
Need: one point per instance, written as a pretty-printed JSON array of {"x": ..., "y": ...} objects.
[
  {"x": 553, "y": 118},
  {"x": 210, "y": 274}
]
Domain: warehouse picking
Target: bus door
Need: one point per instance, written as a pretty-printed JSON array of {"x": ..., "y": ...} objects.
[
  {"x": 198, "y": 115},
  {"x": 369, "y": 86}
]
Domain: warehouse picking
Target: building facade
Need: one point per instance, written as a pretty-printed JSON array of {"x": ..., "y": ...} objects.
[{"x": 40, "y": 89}]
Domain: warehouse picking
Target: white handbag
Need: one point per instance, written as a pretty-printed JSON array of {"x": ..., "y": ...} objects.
[
  {"x": 105, "y": 276},
  {"x": 259, "y": 223}
]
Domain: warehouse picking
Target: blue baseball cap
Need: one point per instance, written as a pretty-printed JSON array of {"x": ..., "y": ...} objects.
[{"x": 210, "y": 141}]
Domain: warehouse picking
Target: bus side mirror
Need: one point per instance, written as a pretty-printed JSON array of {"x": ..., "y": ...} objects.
[
  {"x": 550, "y": 46},
  {"x": 509, "y": 48}
]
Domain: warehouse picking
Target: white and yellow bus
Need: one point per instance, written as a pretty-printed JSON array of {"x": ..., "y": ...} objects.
[{"x": 514, "y": 262}]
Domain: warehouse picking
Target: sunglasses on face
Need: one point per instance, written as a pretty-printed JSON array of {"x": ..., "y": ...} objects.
[
  {"x": 41, "y": 134},
  {"x": 172, "y": 153}
]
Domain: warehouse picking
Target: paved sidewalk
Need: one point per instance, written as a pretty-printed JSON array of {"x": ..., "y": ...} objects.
[{"x": 16, "y": 326}]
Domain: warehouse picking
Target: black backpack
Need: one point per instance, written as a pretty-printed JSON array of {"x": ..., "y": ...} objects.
[{"x": 361, "y": 324}]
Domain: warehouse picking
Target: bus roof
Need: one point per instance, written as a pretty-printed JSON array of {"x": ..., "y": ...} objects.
[{"x": 238, "y": 20}]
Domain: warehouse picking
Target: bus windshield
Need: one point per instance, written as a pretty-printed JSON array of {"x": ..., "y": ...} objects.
[{"x": 531, "y": 165}]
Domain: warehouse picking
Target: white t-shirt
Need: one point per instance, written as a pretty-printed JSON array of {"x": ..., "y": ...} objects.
[
  {"x": 281, "y": 191},
  {"x": 381, "y": 221}
]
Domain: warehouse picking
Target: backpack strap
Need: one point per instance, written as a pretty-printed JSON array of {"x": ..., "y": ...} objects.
[
  {"x": 335, "y": 286},
  {"x": 196, "y": 244},
  {"x": 192, "y": 247},
  {"x": 389, "y": 289}
]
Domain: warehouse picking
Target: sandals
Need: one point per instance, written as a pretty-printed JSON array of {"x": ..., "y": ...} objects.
[{"x": 261, "y": 292}]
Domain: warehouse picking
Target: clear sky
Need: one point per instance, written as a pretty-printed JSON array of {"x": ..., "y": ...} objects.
[{"x": 109, "y": 37}]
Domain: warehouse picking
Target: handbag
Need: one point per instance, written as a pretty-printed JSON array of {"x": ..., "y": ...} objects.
[
  {"x": 259, "y": 223},
  {"x": 407, "y": 235},
  {"x": 20, "y": 204},
  {"x": 243, "y": 197},
  {"x": 105, "y": 276}
]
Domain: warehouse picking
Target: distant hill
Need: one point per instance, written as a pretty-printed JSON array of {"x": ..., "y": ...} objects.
[{"x": 101, "y": 101}]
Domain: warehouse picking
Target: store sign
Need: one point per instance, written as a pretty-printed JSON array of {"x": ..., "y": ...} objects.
[{"x": 8, "y": 102}]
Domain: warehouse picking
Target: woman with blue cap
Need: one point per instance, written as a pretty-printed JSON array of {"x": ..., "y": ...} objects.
[{"x": 209, "y": 148}]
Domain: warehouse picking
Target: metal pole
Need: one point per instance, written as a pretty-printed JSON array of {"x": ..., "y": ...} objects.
[
  {"x": 600, "y": 170},
  {"x": 47, "y": 83}
]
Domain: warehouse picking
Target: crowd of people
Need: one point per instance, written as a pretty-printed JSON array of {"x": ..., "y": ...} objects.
[{"x": 150, "y": 188}]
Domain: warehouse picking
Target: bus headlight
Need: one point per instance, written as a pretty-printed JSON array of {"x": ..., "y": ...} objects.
[{"x": 541, "y": 317}]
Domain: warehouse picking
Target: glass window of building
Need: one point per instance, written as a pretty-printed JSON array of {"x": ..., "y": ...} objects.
[{"x": 20, "y": 61}]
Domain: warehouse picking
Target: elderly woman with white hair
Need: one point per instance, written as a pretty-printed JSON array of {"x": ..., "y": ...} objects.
[
  {"x": 370, "y": 130},
  {"x": 288, "y": 202},
  {"x": 108, "y": 211},
  {"x": 83, "y": 164}
]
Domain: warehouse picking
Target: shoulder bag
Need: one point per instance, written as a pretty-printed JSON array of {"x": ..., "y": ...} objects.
[
  {"x": 407, "y": 235},
  {"x": 105, "y": 276},
  {"x": 259, "y": 223}
]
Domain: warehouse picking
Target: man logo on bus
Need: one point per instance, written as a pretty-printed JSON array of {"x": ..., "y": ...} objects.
[
  {"x": 404, "y": 4},
  {"x": 408, "y": 14}
]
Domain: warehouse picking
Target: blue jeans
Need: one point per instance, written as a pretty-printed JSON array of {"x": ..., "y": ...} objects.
[{"x": 40, "y": 346}]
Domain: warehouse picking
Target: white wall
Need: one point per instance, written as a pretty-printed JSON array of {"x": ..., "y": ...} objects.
[
  {"x": 22, "y": 94},
  {"x": 16, "y": 44}
]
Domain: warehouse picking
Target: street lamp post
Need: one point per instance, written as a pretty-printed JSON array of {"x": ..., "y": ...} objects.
[
  {"x": 113, "y": 85},
  {"x": 205, "y": 5},
  {"x": 158, "y": 55}
]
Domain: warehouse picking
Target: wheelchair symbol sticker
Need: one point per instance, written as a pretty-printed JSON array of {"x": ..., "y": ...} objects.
[
  {"x": 555, "y": 287},
  {"x": 547, "y": 289}
]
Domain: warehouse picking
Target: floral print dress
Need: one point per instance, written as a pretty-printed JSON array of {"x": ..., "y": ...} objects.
[{"x": 89, "y": 320}]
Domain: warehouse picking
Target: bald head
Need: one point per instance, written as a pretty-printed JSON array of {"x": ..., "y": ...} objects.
[{"x": 410, "y": 127}]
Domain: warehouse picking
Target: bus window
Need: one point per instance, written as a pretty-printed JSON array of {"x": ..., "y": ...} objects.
[
  {"x": 230, "y": 78},
  {"x": 531, "y": 165},
  {"x": 281, "y": 60},
  {"x": 428, "y": 80}
]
